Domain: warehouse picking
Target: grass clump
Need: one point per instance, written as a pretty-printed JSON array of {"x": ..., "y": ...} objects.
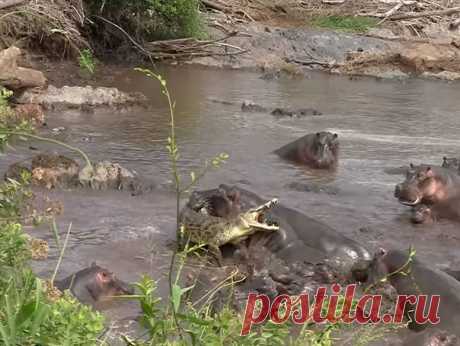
[{"x": 345, "y": 23}]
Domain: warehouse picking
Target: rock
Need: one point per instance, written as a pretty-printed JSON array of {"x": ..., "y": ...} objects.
[
  {"x": 444, "y": 75},
  {"x": 430, "y": 57},
  {"x": 249, "y": 106},
  {"x": 108, "y": 175},
  {"x": 52, "y": 171},
  {"x": 81, "y": 97},
  {"x": 294, "y": 113},
  {"x": 30, "y": 112},
  {"x": 14, "y": 77}
]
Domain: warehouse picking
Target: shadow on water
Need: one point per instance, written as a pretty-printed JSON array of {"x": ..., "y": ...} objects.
[{"x": 380, "y": 125}]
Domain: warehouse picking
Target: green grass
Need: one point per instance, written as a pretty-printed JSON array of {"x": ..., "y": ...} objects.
[{"x": 345, "y": 23}]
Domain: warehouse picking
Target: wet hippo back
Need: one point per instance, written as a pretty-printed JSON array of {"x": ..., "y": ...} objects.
[
  {"x": 419, "y": 279},
  {"x": 297, "y": 226}
]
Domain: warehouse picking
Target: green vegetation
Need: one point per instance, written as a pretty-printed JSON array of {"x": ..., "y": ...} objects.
[
  {"x": 345, "y": 23},
  {"x": 29, "y": 315},
  {"x": 147, "y": 20},
  {"x": 86, "y": 61},
  {"x": 8, "y": 120}
]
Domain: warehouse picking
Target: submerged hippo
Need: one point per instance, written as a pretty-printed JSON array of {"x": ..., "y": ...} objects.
[
  {"x": 416, "y": 278},
  {"x": 298, "y": 231},
  {"x": 317, "y": 150},
  {"x": 449, "y": 209},
  {"x": 427, "y": 184},
  {"x": 94, "y": 284}
]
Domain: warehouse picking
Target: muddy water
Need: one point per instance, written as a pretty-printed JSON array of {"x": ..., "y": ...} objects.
[{"x": 380, "y": 125}]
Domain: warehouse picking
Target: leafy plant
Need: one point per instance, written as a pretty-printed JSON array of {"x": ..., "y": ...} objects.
[
  {"x": 86, "y": 61},
  {"x": 13, "y": 196},
  {"x": 147, "y": 20}
]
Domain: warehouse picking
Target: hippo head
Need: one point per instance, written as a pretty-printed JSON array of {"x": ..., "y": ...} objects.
[
  {"x": 421, "y": 184},
  {"x": 377, "y": 269},
  {"x": 105, "y": 285},
  {"x": 422, "y": 214},
  {"x": 216, "y": 202},
  {"x": 325, "y": 149}
]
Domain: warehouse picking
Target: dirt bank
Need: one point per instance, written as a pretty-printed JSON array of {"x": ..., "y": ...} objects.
[{"x": 283, "y": 36}]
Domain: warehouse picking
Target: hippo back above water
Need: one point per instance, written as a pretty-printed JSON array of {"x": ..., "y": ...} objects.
[
  {"x": 297, "y": 228},
  {"x": 428, "y": 184},
  {"x": 317, "y": 150},
  {"x": 409, "y": 276}
]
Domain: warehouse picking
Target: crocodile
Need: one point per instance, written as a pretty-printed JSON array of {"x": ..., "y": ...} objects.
[{"x": 204, "y": 229}]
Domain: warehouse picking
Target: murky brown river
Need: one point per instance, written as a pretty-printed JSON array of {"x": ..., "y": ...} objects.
[{"x": 380, "y": 125}]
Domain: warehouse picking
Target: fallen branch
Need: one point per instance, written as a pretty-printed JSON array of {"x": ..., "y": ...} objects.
[
  {"x": 313, "y": 62},
  {"x": 214, "y": 6},
  {"x": 391, "y": 12},
  {"x": 8, "y": 3},
  {"x": 447, "y": 12},
  {"x": 191, "y": 47}
]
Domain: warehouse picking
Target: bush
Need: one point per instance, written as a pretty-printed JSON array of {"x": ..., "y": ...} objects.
[{"x": 147, "y": 20}]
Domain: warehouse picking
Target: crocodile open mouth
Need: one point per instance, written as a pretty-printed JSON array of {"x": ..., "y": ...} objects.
[
  {"x": 263, "y": 218},
  {"x": 258, "y": 217}
]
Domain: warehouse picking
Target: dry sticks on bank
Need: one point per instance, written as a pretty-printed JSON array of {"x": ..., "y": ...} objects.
[
  {"x": 415, "y": 15},
  {"x": 191, "y": 47}
]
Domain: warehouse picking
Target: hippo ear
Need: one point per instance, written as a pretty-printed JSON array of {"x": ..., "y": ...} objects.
[
  {"x": 429, "y": 172},
  {"x": 381, "y": 252},
  {"x": 318, "y": 134},
  {"x": 411, "y": 165},
  {"x": 444, "y": 158},
  {"x": 335, "y": 135}
]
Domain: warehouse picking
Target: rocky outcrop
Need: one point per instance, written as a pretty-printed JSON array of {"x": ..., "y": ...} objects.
[
  {"x": 14, "y": 77},
  {"x": 29, "y": 112},
  {"x": 80, "y": 97},
  {"x": 107, "y": 175},
  {"x": 52, "y": 171},
  {"x": 58, "y": 171},
  {"x": 428, "y": 60}
]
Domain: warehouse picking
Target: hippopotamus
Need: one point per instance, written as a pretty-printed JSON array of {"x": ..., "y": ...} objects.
[
  {"x": 448, "y": 209},
  {"x": 299, "y": 232},
  {"x": 317, "y": 150},
  {"x": 427, "y": 184},
  {"x": 249, "y": 106},
  {"x": 217, "y": 202},
  {"x": 423, "y": 214},
  {"x": 409, "y": 276},
  {"x": 94, "y": 284}
]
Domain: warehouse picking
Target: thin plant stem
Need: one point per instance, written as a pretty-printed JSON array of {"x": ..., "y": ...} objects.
[
  {"x": 61, "y": 255},
  {"x": 49, "y": 140}
]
